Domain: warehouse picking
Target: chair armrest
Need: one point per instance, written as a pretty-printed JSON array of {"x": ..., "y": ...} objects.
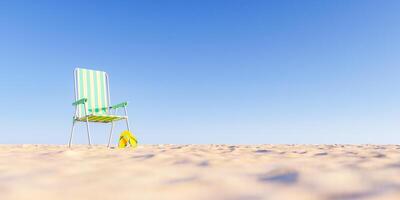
[
  {"x": 80, "y": 101},
  {"x": 120, "y": 105}
]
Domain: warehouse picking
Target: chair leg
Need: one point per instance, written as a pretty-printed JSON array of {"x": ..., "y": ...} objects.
[
  {"x": 127, "y": 124},
  {"x": 127, "y": 121},
  {"x": 109, "y": 138},
  {"x": 88, "y": 131},
  {"x": 72, "y": 132}
]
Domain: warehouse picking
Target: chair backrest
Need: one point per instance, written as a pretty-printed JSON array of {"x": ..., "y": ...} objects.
[{"x": 93, "y": 85}]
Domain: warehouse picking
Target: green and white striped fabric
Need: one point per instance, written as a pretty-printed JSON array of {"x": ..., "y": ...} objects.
[{"x": 92, "y": 85}]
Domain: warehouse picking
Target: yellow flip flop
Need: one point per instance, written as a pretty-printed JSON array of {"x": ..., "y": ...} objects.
[{"x": 127, "y": 138}]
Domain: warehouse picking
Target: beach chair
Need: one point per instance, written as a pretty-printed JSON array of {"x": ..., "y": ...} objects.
[{"x": 92, "y": 102}]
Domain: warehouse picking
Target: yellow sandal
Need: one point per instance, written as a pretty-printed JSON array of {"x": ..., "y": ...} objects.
[{"x": 127, "y": 138}]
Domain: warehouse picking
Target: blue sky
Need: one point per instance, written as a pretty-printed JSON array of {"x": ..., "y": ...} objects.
[{"x": 206, "y": 71}]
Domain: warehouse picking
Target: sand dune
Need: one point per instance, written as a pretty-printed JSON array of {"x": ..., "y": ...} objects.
[{"x": 236, "y": 172}]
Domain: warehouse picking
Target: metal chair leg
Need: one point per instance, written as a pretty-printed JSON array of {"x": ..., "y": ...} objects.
[
  {"x": 88, "y": 131},
  {"x": 72, "y": 132},
  {"x": 127, "y": 124},
  {"x": 109, "y": 138},
  {"x": 127, "y": 121}
]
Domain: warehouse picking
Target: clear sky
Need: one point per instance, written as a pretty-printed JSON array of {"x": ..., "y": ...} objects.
[{"x": 206, "y": 71}]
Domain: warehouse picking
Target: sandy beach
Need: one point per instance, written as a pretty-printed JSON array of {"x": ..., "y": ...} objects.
[{"x": 333, "y": 172}]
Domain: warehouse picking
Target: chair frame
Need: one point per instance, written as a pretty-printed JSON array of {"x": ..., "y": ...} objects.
[{"x": 109, "y": 111}]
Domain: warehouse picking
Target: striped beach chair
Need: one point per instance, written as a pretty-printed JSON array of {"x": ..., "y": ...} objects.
[{"x": 92, "y": 101}]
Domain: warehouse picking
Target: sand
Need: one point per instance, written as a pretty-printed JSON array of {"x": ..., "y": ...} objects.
[{"x": 236, "y": 172}]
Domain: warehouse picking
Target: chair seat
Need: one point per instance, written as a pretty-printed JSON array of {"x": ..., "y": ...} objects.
[{"x": 101, "y": 118}]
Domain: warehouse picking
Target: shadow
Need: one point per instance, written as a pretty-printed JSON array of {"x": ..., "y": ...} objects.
[
  {"x": 321, "y": 154},
  {"x": 143, "y": 157},
  {"x": 263, "y": 151},
  {"x": 280, "y": 176},
  {"x": 203, "y": 164}
]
